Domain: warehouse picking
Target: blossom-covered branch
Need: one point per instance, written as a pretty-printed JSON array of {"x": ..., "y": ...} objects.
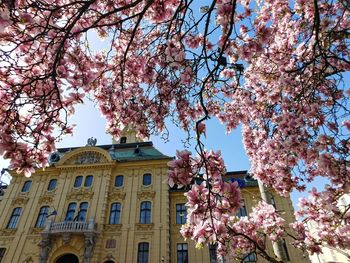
[{"x": 276, "y": 67}]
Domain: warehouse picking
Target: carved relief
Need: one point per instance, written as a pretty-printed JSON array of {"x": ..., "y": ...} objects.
[
  {"x": 80, "y": 194},
  {"x": 35, "y": 230},
  {"x": 86, "y": 157},
  {"x": 8, "y": 232},
  {"x": 146, "y": 195},
  {"x": 116, "y": 227},
  {"x": 116, "y": 195},
  {"x": 20, "y": 200},
  {"x": 45, "y": 199},
  {"x": 144, "y": 227},
  {"x": 5, "y": 240}
]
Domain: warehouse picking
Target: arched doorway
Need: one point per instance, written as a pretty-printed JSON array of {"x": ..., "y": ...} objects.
[{"x": 68, "y": 258}]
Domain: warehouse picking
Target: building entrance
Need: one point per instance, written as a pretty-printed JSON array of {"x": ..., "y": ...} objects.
[{"x": 68, "y": 258}]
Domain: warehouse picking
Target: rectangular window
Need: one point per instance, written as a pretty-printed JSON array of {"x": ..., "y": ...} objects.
[
  {"x": 111, "y": 243},
  {"x": 182, "y": 253},
  {"x": 142, "y": 253},
  {"x": 181, "y": 214},
  {"x": 2, "y": 253},
  {"x": 16, "y": 213},
  {"x": 119, "y": 181},
  {"x": 242, "y": 210},
  {"x": 145, "y": 212},
  {"x": 213, "y": 253},
  {"x": 114, "y": 216},
  {"x": 40, "y": 222}
]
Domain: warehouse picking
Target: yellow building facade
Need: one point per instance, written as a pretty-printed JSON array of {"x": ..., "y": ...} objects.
[{"x": 108, "y": 204}]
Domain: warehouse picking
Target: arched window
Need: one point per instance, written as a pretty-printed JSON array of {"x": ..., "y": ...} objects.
[
  {"x": 44, "y": 211},
  {"x": 147, "y": 179},
  {"x": 119, "y": 180},
  {"x": 142, "y": 253},
  {"x": 70, "y": 212},
  {"x": 52, "y": 185},
  {"x": 114, "y": 216},
  {"x": 16, "y": 213},
  {"x": 145, "y": 212},
  {"x": 26, "y": 186},
  {"x": 78, "y": 181},
  {"x": 82, "y": 211},
  {"x": 88, "y": 181}
]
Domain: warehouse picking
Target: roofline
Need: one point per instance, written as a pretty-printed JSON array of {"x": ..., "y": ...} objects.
[{"x": 108, "y": 146}]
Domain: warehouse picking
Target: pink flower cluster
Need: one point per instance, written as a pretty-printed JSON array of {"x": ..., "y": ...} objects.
[
  {"x": 325, "y": 221},
  {"x": 273, "y": 67}
]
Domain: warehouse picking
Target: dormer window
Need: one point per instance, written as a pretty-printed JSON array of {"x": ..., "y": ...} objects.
[{"x": 123, "y": 140}]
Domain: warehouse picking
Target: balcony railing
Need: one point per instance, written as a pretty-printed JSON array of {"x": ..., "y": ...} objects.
[{"x": 70, "y": 227}]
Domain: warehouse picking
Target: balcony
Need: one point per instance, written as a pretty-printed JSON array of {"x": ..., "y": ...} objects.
[
  {"x": 74, "y": 227},
  {"x": 86, "y": 230}
]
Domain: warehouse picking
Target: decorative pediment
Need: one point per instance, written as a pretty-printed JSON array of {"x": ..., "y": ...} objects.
[
  {"x": 116, "y": 196},
  {"x": 80, "y": 194},
  {"x": 20, "y": 200},
  {"x": 88, "y": 157},
  {"x": 146, "y": 195},
  {"x": 85, "y": 156}
]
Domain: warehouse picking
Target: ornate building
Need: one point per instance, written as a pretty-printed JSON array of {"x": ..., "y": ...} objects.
[{"x": 107, "y": 203}]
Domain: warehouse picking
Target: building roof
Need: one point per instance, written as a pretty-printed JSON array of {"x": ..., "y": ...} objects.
[
  {"x": 124, "y": 152},
  {"x": 243, "y": 178}
]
